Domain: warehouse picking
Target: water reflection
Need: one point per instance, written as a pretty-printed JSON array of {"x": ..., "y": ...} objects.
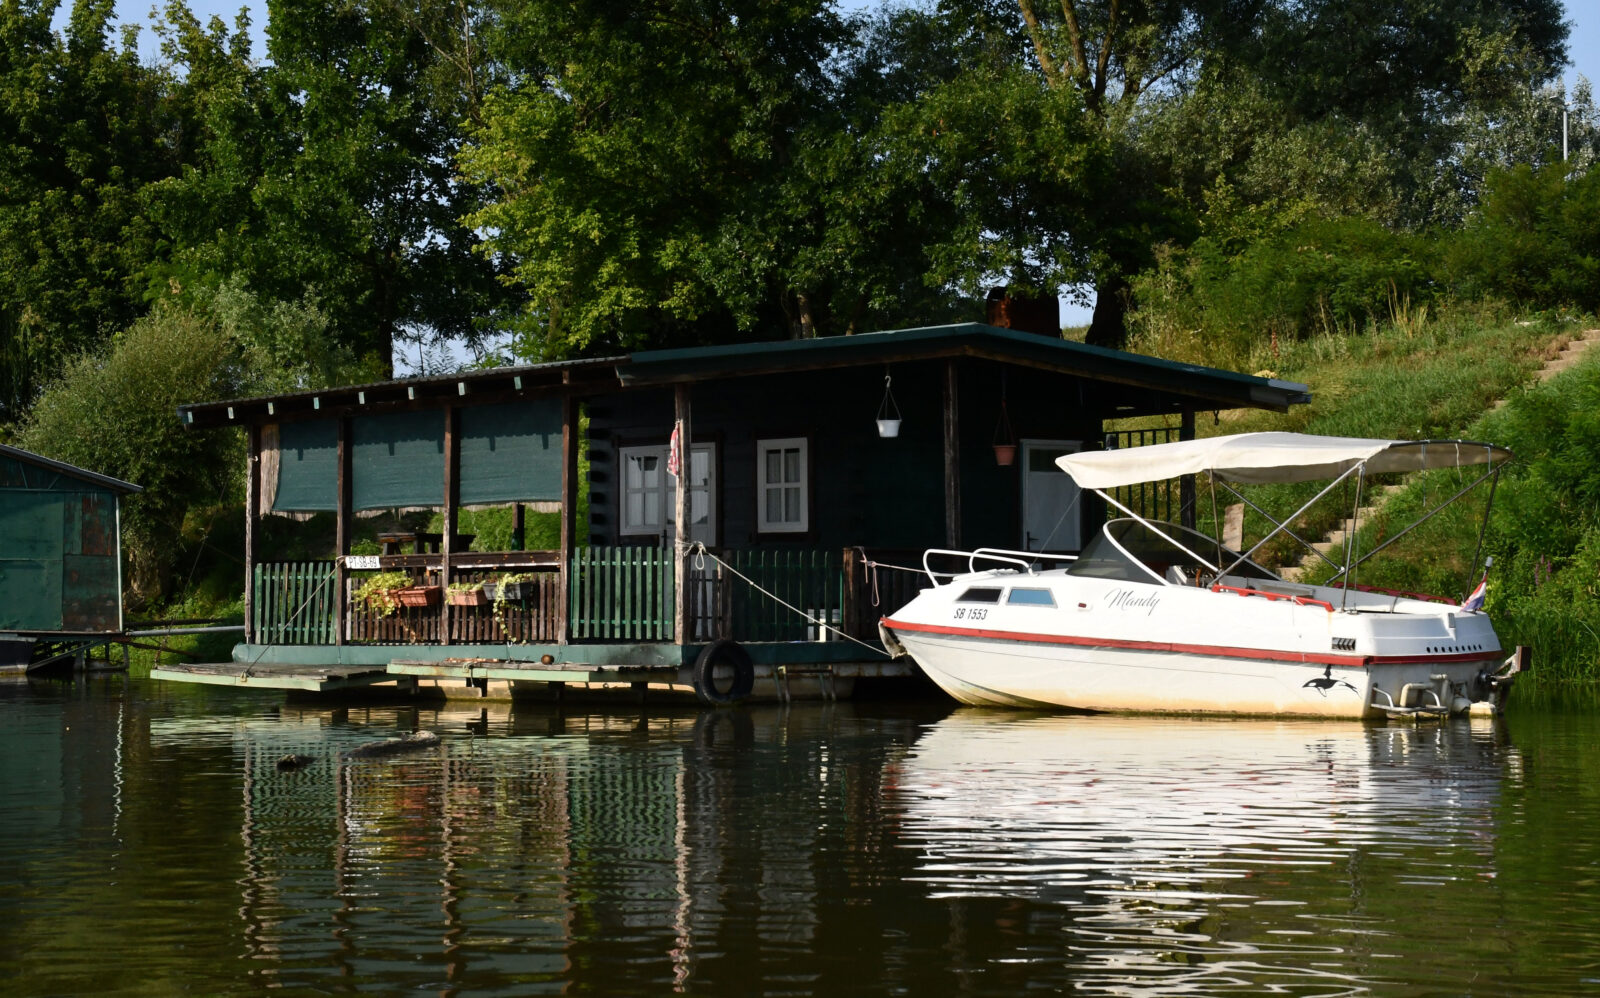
[
  {"x": 820, "y": 850},
  {"x": 1154, "y": 833}
]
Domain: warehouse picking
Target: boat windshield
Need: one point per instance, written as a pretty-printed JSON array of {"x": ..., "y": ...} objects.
[{"x": 1124, "y": 543}]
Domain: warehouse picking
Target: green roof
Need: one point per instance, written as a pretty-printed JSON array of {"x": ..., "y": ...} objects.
[
  {"x": 969, "y": 339},
  {"x": 1176, "y": 385}
]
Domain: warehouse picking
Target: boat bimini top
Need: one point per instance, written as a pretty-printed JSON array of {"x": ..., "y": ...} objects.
[
  {"x": 1253, "y": 458},
  {"x": 1272, "y": 457}
]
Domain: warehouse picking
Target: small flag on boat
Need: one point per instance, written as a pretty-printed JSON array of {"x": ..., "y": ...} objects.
[
  {"x": 1474, "y": 602},
  {"x": 673, "y": 462}
]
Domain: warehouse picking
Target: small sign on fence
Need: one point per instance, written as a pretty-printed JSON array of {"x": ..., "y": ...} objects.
[{"x": 361, "y": 562}]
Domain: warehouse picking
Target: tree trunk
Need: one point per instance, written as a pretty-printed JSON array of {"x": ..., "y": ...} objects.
[
  {"x": 808, "y": 322},
  {"x": 1109, "y": 326}
]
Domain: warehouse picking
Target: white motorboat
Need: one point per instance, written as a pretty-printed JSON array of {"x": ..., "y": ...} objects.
[{"x": 1153, "y": 616}]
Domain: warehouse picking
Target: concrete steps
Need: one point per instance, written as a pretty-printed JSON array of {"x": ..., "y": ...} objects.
[{"x": 1569, "y": 355}]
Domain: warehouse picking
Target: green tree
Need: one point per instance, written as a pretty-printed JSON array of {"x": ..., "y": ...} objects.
[
  {"x": 83, "y": 128},
  {"x": 639, "y": 158},
  {"x": 327, "y": 176},
  {"x": 1395, "y": 76}
]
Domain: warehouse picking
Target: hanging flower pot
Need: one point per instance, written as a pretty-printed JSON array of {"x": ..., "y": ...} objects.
[
  {"x": 888, "y": 412},
  {"x": 1005, "y": 442}
]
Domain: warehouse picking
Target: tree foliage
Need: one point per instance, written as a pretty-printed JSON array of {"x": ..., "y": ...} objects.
[
  {"x": 112, "y": 411},
  {"x": 83, "y": 128},
  {"x": 330, "y": 172}
]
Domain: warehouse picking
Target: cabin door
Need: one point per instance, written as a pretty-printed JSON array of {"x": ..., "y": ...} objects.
[{"x": 1052, "y": 517}]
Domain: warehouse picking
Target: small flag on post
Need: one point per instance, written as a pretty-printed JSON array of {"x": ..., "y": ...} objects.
[
  {"x": 1474, "y": 602},
  {"x": 674, "y": 462}
]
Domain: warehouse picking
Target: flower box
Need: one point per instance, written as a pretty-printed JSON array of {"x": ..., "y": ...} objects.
[
  {"x": 502, "y": 592},
  {"x": 469, "y": 597},
  {"x": 418, "y": 596}
]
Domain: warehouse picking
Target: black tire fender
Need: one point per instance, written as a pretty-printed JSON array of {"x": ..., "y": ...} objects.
[{"x": 723, "y": 651}]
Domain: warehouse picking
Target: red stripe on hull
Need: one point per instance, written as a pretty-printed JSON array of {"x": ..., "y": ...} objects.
[{"x": 1219, "y": 651}]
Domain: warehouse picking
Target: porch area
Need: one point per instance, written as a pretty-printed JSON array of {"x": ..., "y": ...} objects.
[{"x": 604, "y": 595}]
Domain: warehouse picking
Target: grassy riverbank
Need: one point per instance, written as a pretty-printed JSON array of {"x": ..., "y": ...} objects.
[{"x": 1441, "y": 379}]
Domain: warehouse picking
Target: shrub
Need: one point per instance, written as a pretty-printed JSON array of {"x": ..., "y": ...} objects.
[
  {"x": 1535, "y": 241},
  {"x": 1318, "y": 276},
  {"x": 116, "y": 413}
]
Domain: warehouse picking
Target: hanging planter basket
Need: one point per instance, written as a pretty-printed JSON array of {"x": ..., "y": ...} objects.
[
  {"x": 1005, "y": 442},
  {"x": 888, "y": 412}
]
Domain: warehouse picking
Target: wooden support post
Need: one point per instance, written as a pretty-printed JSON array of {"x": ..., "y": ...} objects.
[
  {"x": 850, "y": 610},
  {"x": 519, "y": 520},
  {"x": 452, "y": 516},
  {"x": 569, "y": 509},
  {"x": 252, "y": 516},
  {"x": 680, "y": 561},
  {"x": 341, "y": 532},
  {"x": 952, "y": 458},
  {"x": 1186, "y": 483}
]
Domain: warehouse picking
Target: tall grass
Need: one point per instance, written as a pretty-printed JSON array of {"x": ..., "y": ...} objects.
[
  {"x": 1423, "y": 378},
  {"x": 1544, "y": 532}
]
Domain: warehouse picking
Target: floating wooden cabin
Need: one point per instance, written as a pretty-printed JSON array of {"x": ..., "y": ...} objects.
[
  {"x": 60, "y": 559},
  {"x": 766, "y": 547}
]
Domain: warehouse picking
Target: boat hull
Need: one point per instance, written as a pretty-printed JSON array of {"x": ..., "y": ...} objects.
[{"x": 1019, "y": 673}]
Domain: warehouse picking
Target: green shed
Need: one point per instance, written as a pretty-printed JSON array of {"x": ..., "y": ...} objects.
[{"x": 60, "y": 547}]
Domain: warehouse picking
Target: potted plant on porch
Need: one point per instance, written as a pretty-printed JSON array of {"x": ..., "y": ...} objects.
[
  {"x": 507, "y": 587},
  {"x": 378, "y": 594},
  {"x": 467, "y": 594},
  {"x": 419, "y": 595}
]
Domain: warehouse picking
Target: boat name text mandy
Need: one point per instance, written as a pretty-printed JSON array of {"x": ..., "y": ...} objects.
[{"x": 1125, "y": 599}]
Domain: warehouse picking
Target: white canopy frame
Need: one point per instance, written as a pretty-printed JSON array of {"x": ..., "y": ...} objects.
[{"x": 1264, "y": 458}]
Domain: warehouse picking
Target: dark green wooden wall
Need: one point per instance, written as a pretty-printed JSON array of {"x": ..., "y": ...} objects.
[{"x": 865, "y": 490}]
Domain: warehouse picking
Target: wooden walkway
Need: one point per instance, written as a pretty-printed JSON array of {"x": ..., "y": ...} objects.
[
  {"x": 551, "y": 672},
  {"x": 273, "y": 676}
]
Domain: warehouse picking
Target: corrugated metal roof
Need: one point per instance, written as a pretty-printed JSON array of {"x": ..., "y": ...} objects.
[{"x": 70, "y": 470}]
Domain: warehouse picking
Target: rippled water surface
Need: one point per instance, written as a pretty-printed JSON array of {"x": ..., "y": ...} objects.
[{"x": 153, "y": 846}]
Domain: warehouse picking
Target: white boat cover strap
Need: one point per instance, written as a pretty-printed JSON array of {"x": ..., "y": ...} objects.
[{"x": 1271, "y": 457}]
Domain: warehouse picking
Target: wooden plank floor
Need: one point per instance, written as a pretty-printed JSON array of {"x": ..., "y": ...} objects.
[
  {"x": 262, "y": 675},
  {"x": 560, "y": 672}
]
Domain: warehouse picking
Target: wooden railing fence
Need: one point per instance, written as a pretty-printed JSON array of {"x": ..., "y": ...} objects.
[
  {"x": 294, "y": 602},
  {"x": 621, "y": 593},
  {"x": 612, "y": 594},
  {"x": 726, "y": 606}
]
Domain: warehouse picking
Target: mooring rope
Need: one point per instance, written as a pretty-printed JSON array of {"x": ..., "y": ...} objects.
[{"x": 698, "y": 549}]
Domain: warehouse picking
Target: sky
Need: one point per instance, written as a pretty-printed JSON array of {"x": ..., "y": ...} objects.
[{"x": 1583, "y": 49}]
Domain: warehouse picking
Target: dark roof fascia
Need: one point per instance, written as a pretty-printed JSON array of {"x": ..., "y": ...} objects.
[
  {"x": 70, "y": 470},
  {"x": 492, "y": 385},
  {"x": 1212, "y": 386}
]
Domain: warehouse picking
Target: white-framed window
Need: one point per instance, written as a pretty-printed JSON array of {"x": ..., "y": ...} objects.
[
  {"x": 783, "y": 493},
  {"x": 649, "y": 493}
]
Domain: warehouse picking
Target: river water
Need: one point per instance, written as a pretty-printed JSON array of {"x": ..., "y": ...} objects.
[{"x": 152, "y": 846}]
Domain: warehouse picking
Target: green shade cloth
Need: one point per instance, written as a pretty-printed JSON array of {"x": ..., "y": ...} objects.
[
  {"x": 511, "y": 452},
  {"x": 308, "y": 467},
  {"x": 397, "y": 460}
]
